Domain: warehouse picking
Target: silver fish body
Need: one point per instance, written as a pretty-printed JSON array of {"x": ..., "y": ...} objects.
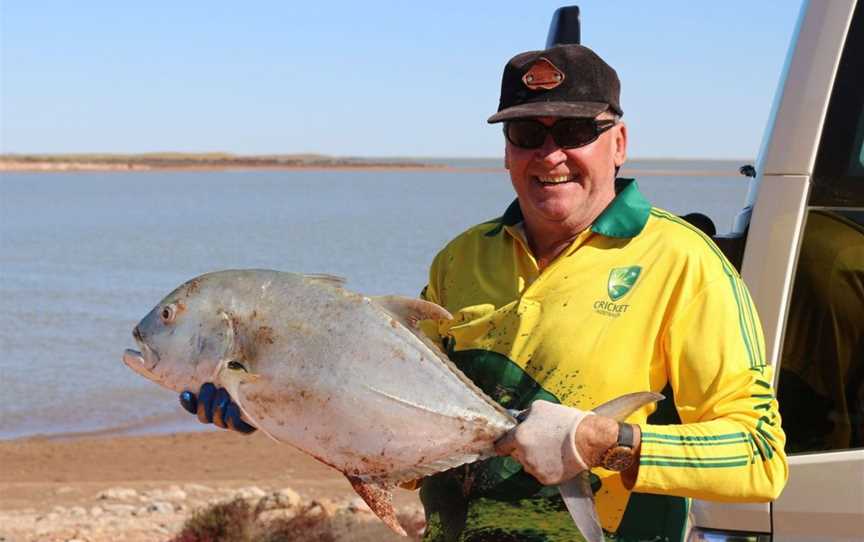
[
  {"x": 348, "y": 379},
  {"x": 345, "y": 378}
]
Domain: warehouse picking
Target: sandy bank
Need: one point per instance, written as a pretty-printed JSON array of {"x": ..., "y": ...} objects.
[{"x": 144, "y": 487}]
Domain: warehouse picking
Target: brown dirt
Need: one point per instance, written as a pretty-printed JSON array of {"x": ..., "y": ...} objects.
[{"x": 43, "y": 479}]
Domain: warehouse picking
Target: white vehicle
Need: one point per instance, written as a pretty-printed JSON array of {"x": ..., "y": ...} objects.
[
  {"x": 802, "y": 241},
  {"x": 799, "y": 244}
]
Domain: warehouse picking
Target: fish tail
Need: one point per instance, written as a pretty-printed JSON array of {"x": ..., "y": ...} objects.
[{"x": 380, "y": 499}]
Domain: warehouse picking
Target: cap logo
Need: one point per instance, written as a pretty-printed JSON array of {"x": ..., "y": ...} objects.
[{"x": 543, "y": 74}]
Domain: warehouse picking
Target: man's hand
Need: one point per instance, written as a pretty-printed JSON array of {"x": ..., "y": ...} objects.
[
  {"x": 214, "y": 405},
  {"x": 545, "y": 442}
]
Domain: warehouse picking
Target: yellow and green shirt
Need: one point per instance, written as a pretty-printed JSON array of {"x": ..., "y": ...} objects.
[{"x": 640, "y": 301}]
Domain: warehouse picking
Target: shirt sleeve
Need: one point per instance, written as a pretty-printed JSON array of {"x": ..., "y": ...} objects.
[
  {"x": 729, "y": 446},
  {"x": 431, "y": 293}
]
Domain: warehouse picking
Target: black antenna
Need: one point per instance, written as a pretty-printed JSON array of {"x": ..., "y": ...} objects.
[{"x": 565, "y": 27}]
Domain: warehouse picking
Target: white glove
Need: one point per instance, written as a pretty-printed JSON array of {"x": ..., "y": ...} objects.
[{"x": 545, "y": 442}]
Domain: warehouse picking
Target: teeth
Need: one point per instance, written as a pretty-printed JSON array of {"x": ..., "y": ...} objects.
[{"x": 558, "y": 179}]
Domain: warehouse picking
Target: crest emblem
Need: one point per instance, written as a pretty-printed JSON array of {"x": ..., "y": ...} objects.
[
  {"x": 621, "y": 280},
  {"x": 543, "y": 74}
]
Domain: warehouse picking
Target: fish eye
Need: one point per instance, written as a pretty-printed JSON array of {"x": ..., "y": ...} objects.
[{"x": 169, "y": 312}]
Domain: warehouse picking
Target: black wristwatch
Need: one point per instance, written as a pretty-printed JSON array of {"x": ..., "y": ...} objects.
[{"x": 621, "y": 456}]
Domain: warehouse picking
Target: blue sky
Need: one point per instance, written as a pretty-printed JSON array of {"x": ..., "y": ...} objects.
[{"x": 369, "y": 78}]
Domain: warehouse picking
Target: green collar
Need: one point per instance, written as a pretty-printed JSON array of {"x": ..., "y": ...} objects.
[{"x": 624, "y": 217}]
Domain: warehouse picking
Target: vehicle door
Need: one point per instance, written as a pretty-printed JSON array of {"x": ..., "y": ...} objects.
[{"x": 820, "y": 377}]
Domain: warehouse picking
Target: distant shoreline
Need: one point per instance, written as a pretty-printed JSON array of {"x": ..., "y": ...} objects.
[
  {"x": 135, "y": 168},
  {"x": 71, "y": 167},
  {"x": 194, "y": 162},
  {"x": 203, "y": 162}
]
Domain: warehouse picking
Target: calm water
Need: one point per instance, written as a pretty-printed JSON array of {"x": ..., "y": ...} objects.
[{"x": 83, "y": 256}]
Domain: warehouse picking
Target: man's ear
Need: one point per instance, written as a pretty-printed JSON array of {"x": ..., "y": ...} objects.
[
  {"x": 620, "y": 144},
  {"x": 506, "y": 156}
]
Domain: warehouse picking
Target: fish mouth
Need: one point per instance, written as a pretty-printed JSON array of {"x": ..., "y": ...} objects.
[{"x": 138, "y": 362}]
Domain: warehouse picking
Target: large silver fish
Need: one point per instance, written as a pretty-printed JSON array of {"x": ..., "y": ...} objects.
[{"x": 345, "y": 378}]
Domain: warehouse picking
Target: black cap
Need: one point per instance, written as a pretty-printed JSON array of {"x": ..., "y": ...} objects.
[{"x": 563, "y": 81}]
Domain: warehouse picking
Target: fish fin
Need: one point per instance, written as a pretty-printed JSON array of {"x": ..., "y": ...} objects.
[
  {"x": 409, "y": 311},
  {"x": 621, "y": 407},
  {"x": 240, "y": 372},
  {"x": 325, "y": 279},
  {"x": 379, "y": 497},
  {"x": 231, "y": 375},
  {"x": 429, "y": 468},
  {"x": 579, "y": 500},
  {"x": 229, "y": 344},
  {"x": 461, "y": 376},
  {"x": 231, "y": 369},
  {"x": 448, "y": 363}
]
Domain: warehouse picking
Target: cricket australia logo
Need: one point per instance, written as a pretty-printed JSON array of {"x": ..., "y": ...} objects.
[{"x": 621, "y": 281}]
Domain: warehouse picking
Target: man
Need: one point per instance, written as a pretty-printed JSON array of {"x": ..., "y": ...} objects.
[{"x": 581, "y": 292}]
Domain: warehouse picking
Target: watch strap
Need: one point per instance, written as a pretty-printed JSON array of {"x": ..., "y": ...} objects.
[
  {"x": 626, "y": 436},
  {"x": 620, "y": 456}
]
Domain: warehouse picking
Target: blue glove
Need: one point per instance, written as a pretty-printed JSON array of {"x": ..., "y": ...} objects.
[{"x": 214, "y": 405}]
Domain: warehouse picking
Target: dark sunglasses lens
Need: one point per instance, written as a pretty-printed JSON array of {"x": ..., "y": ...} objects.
[
  {"x": 526, "y": 134},
  {"x": 571, "y": 133}
]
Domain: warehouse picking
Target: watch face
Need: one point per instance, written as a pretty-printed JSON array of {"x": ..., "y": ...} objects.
[{"x": 619, "y": 458}]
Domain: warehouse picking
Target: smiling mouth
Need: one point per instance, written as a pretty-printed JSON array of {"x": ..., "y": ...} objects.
[{"x": 557, "y": 179}]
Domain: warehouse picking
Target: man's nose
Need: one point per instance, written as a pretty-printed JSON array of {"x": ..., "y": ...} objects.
[{"x": 550, "y": 152}]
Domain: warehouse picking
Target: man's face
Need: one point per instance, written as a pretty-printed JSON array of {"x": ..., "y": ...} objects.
[{"x": 566, "y": 189}]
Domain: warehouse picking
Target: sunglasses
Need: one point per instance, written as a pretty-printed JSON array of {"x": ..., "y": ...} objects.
[{"x": 567, "y": 133}]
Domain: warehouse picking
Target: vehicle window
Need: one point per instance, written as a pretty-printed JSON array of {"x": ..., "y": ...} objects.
[
  {"x": 838, "y": 178},
  {"x": 821, "y": 380}
]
